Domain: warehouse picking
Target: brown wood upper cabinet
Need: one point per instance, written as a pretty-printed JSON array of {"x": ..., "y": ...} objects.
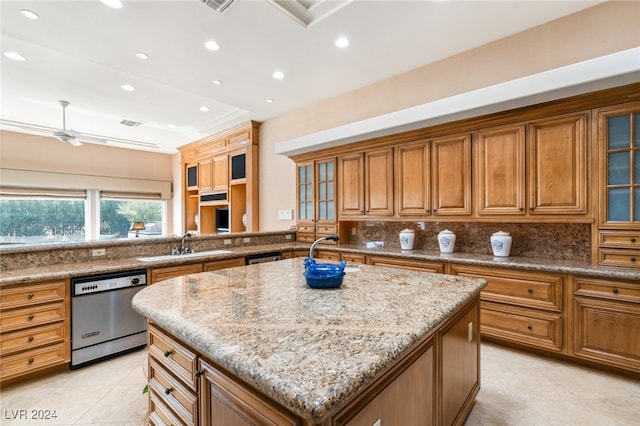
[
  {"x": 366, "y": 183},
  {"x": 500, "y": 181},
  {"x": 413, "y": 179},
  {"x": 557, "y": 154},
  {"x": 451, "y": 175}
]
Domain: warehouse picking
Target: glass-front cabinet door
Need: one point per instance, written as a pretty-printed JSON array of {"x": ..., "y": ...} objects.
[
  {"x": 619, "y": 225},
  {"x": 622, "y": 190},
  {"x": 305, "y": 192},
  {"x": 326, "y": 190}
]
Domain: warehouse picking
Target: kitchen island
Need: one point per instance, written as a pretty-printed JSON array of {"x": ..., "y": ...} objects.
[{"x": 254, "y": 344}]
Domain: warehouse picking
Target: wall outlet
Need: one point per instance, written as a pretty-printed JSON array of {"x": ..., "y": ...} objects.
[
  {"x": 285, "y": 214},
  {"x": 287, "y": 237},
  {"x": 353, "y": 230},
  {"x": 247, "y": 239},
  {"x": 98, "y": 252},
  {"x": 227, "y": 241}
]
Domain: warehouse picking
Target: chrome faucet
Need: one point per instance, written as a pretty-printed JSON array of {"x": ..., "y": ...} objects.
[
  {"x": 184, "y": 249},
  {"x": 328, "y": 237}
]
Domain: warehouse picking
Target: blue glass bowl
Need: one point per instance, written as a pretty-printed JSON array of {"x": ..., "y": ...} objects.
[{"x": 323, "y": 275}]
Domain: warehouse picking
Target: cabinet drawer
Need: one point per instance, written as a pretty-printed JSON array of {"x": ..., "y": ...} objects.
[
  {"x": 18, "y": 319},
  {"x": 32, "y": 338},
  {"x": 327, "y": 255},
  {"x": 620, "y": 239},
  {"x": 528, "y": 289},
  {"x": 159, "y": 414},
  {"x": 159, "y": 274},
  {"x": 25, "y": 362},
  {"x": 359, "y": 259},
  {"x": 305, "y": 238},
  {"x": 223, "y": 264},
  {"x": 614, "y": 290},
  {"x": 527, "y": 326},
  {"x": 306, "y": 229},
  {"x": 625, "y": 258},
  {"x": 173, "y": 356},
  {"x": 182, "y": 401},
  {"x": 416, "y": 265},
  {"x": 29, "y": 295},
  {"x": 326, "y": 230}
]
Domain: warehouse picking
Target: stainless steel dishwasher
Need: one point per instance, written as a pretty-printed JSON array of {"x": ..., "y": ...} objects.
[{"x": 103, "y": 323}]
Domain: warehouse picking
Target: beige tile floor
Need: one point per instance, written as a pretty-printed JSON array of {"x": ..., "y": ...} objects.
[{"x": 517, "y": 389}]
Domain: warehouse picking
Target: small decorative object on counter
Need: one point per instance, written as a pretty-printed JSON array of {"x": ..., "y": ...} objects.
[
  {"x": 447, "y": 241},
  {"x": 501, "y": 244},
  {"x": 323, "y": 275},
  {"x": 406, "y": 239},
  {"x": 244, "y": 221}
]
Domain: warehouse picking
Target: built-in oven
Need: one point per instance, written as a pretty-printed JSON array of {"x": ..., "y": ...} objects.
[{"x": 103, "y": 323}]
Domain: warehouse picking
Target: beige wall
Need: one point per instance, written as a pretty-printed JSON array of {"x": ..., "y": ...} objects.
[{"x": 598, "y": 31}]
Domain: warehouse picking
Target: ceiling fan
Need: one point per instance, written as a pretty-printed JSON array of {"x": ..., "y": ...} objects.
[
  {"x": 65, "y": 135},
  {"x": 71, "y": 136}
]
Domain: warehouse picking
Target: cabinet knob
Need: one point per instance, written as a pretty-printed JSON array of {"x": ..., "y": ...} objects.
[
  {"x": 31, "y": 317},
  {"x": 529, "y": 328},
  {"x": 530, "y": 209},
  {"x": 633, "y": 259},
  {"x": 30, "y": 296},
  {"x": 199, "y": 373},
  {"x": 31, "y": 360},
  {"x": 633, "y": 240},
  {"x": 168, "y": 390},
  {"x": 615, "y": 291},
  {"x": 30, "y": 339},
  {"x": 530, "y": 291},
  {"x": 167, "y": 353},
  {"x": 521, "y": 209}
]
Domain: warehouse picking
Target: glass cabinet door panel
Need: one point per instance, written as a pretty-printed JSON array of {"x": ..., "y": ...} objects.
[
  {"x": 618, "y": 168},
  {"x": 618, "y": 204},
  {"x": 618, "y": 134},
  {"x": 636, "y": 169},
  {"x": 636, "y": 210},
  {"x": 636, "y": 126},
  {"x": 331, "y": 210}
]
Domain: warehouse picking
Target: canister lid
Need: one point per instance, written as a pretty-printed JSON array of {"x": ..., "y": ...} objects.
[
  {"x": 407, "y": 230},
  {"x": 446, "y": 231},
  {"x": 501, "y": 233}
]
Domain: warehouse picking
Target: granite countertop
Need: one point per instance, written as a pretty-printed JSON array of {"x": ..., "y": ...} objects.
[{"x": 307, "y": 349}]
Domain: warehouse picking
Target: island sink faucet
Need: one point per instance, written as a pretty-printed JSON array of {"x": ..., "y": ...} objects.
[{"x": 328, "y": 237}]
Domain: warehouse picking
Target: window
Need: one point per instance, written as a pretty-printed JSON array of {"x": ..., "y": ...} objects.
[
  {"x": 119, "y": 210},
  {"x": 41, "y": 216}
]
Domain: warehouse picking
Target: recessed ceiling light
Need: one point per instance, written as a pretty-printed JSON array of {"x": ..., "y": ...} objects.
[
  {"x": 142, "y": 55},
  {"x": 342, "y": 42},
  {"x": 204, "y": 109},
  {"x": 15, "y": 56},
  {"x": 278, "y": 75},
  {"x": 269, "y": 100},
  {"x": 127, "y": 88},
  {"x": 114, "y": 4},
  {"x": 212, "y": 45},
  {"x": 217, "y": 82},
  {"x": 29, "y": 14}
]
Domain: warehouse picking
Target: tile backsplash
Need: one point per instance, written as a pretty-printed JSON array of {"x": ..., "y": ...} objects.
[{"x": 559, "y": 241}]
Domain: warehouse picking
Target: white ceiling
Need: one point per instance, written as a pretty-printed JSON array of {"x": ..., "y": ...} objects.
[{"x": 83, "y": 51}]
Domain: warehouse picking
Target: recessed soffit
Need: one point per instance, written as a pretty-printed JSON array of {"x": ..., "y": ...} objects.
[{"x": 308, "y": 12}]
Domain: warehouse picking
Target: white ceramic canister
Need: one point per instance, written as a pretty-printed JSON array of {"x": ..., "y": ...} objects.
[
  {"x": 447, "y": 241},
  {"x": 501, "y": 244},
  {"x": 406, "y": 239}
]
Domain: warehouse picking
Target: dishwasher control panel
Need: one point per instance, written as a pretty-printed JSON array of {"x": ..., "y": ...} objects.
[{"x": 107, "y": 282}]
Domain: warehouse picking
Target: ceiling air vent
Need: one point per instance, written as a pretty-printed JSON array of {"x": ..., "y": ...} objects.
[
  {"x": 219, "y": 5},
  {"x": 130, "y": 123}
]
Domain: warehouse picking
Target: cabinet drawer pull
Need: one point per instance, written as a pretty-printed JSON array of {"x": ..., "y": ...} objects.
[
  {"x": 30, "y": 317},
  {"x": 31, "y": 360},
  {"x": 168, "y": 390},
  {"x": 30, "y": 339},
  {"x": 633, "y": 240},
  {"x": 168, "y": 353},
  {"x": 615, "y": 291},
  {"x": 530, "y": 291},
  {"x": 529, "y": 328},
  {"x": 199, "y": 373},
  {"x": 30, "y": 296},
  {"x": 633, "y": 259}
]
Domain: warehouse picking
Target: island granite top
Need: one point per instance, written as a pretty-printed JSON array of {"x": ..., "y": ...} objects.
[{"x": 307, "y": 349}]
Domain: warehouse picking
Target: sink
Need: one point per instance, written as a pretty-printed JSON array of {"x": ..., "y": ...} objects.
[{"x": 184, "y": 256}]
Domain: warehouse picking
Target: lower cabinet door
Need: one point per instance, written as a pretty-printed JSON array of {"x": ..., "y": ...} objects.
[
  {"x": 408, "y": 400},
  {"x": 607, "y": 331},
  {"x": 224, "y": 402}
]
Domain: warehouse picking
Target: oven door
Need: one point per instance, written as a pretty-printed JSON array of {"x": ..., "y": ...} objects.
[{"x": 101, "y": 317}]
